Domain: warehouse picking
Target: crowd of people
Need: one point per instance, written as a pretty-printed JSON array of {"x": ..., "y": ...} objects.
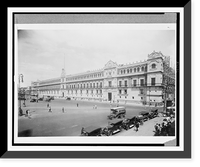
[{"x": 166, "y": 128}]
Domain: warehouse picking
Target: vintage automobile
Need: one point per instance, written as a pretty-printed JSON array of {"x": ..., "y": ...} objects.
[
  {"x": 91, "y": 131},
  {"x": 117, "y": 112},
  {"x": 153, "y": 113},
  {"x": 33, "y": 100},
  {"x": 129, "y": 122},
  {"x": 114, "y": 127},
  {"x": 68, "y": 98},
  {"x": 145, "y": 115}
]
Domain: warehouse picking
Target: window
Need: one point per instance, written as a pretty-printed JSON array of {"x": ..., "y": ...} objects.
[
  {"x": 134, "y": 82},
  {"x": 141, "y": 98},
  {"x": 90, "y": 85},
  {"x": 153, "y": 81},
  {"x": 93, "y": 85},
  {"x": 138, "y": 69},
  {"x": 120, "y": 91},
  {"x": 110, "y": 83},
  {"x": 142, "y": 82},
  {"x": 120, "y": 83},
  {"x": 134, "y": 69},
  {"x": 132, "y": 97},
  {"x": 153, "y": 66},
  {"x": 128, "y": 71},
  {"x": 142, "y": 68},
  {"x": 100, "y": 84},
  {"x": 125, "y": 83},
  {"x": 141, "y": 91},
  {"x": 131, "y": 70},
  {"x": 125, "y": 91}
]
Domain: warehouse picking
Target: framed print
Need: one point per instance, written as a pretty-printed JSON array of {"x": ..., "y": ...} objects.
[{"x": 99, "y": 82}]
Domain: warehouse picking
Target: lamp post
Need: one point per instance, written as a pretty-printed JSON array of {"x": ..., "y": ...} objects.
[{"x": 19, "y": 93}]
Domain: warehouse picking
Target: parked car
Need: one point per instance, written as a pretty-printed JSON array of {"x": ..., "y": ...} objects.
[
  {"x": 41, "y": 99},
  {"x": 153, "y": 113},
  {"x": 117, "y": 112},
  {"x": 129, "y": 122},
  {"x": 145, "y": 115},
  {"x": 91, "y": 131},
  {"x": 114, "y": 127},
  {"x": 68, "y": 98},
  {"x": 33, "y": 100}
]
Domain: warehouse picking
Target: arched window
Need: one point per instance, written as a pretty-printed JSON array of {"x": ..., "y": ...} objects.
[
  {"x": 138, "y": 69},
  {"x": 142, "y": 68},
  {"x": 134, "y": 69},
  {"x": 127, "y": 70},
  {"x": 153, "y": 65},
  {"x": 131, "y": 70}
]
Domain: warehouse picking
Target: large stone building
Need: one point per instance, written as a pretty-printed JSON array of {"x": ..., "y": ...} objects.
[{"x": 140, "y": 82}]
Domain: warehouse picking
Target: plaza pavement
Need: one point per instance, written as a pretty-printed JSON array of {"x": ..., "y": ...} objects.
[{"x": 43, "y": 123}]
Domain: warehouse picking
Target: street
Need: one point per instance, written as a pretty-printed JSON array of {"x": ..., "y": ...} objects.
[{"x": 68, "y": 123}]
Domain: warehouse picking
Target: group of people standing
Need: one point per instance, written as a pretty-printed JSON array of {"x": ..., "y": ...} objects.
[{"x": 166, "y": 128}]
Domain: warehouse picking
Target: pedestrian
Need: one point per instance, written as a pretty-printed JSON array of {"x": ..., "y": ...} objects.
[
  {"x": 47, "y": 105},
  {"x": 20, "y": 111},
  {"x": 77, "y": 104},
  {"x": 137, "y": 126},
  {"x": 50, "y": 109},
  {"x": 63, "y": 110}
]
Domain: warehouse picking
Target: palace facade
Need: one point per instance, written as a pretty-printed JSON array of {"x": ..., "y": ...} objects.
[{"x": 140, "y": 82}]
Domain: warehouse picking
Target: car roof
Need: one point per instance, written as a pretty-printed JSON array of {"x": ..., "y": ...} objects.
[
  {"x": 115, "y": 121},
  {"x": 130, "y": 116},
  {"x": 116, "y": 108},
  {"x": 144, "y": 112},
  {"x": 91, "y": 128}
]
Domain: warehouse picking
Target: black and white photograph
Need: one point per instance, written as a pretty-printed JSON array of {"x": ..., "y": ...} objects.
[{"x": 96, "y": 80}]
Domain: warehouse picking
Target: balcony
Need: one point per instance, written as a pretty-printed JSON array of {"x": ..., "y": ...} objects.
[{"x": 110, "y": 87}]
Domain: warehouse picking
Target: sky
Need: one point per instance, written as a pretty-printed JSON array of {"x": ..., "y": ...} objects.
[{"x": 42, "y": 53}]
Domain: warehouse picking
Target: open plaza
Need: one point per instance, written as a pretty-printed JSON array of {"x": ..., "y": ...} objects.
[{"x": 76, "y": 114}]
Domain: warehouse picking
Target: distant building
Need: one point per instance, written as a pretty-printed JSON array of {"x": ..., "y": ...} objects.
[{"x": 140, "y": 82}]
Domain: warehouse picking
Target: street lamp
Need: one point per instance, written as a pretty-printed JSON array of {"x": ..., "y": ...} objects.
[{"x": 19, "y": 93}]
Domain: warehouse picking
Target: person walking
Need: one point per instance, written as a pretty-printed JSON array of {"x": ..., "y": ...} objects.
[
  {"x": 137, "y": 126},
  {"x": 50, "y": 109},
  {"x": 77, "y": 104},
  {"x": 63, "y": 110},
  {"x": 47, "y": 105}
]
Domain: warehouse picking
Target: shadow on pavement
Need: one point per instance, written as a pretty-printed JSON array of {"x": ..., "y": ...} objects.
[{"x": 25, "y": 133}]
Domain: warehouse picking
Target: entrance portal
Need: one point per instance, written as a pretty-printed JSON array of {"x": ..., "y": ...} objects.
[{"x": 109, "y": 96}]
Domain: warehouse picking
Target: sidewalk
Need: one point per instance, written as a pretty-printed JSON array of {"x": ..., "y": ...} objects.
[{"x": 147, "y": 129}]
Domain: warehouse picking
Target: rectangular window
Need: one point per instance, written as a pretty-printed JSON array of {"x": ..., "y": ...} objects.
[
  {"x": 120, "y": 83},
  {"x": 134, "y": 82},
  {"x": 142, "y": 82},
  {"x": 125, "y": 83},
  {"x": 125, "y": 91},
  {"x": 110, "y": 83},
  {"x": 120, "y": 91},
  {"x": 141, "y": 91},
  {"x": 153, "y": 81}
]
